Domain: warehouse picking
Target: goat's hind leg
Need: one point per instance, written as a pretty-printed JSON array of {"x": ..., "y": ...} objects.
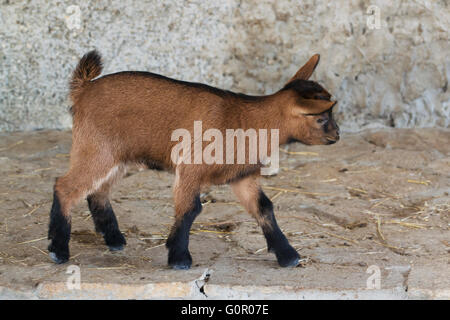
[
  {"x": 105, "y": 220},
  {"x": 59, "y": 231},
  {"x": 68, "y": 190},
  {"x": 81, "y": 180}
]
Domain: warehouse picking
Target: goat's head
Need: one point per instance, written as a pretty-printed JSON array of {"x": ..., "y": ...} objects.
[{"x": 308, "y": 109}]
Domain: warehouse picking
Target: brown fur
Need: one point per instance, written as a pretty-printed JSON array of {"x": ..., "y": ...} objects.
[
  {"x": 128, "y": 117},
  {"x": 89, "y": 67},
  {"x": 247, "y": 190}
]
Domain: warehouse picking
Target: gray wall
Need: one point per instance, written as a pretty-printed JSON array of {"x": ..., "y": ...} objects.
[{"x": 395, "y": 73}]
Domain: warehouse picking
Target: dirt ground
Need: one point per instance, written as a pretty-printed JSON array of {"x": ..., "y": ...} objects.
[{"x": 375, "y": 198}]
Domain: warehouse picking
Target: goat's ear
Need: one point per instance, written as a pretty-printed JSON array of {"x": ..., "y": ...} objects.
[
  {"x": 307, "y": 70},
  {"x": 312, "y": 106}
]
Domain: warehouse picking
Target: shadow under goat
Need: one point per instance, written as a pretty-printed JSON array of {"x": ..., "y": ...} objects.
[{"x": 129, "y": 117}]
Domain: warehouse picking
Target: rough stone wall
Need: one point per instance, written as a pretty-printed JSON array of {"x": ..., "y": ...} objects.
[{"x": 394, "y": 74}]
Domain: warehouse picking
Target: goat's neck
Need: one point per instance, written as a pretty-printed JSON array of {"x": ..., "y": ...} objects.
[{"x": 267, "y": 113}]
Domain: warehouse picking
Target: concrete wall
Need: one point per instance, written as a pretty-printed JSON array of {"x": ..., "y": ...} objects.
[{"x": 394, "y": 73}]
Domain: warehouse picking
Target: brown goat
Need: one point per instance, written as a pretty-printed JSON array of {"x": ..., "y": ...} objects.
[{"x": 128, "y": 118}]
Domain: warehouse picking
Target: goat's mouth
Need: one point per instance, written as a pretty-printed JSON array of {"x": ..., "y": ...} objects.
[{"x": 332, "y": 140}]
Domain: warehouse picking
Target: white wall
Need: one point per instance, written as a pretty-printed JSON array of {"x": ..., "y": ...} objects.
[{"x": 395, "y": 75}]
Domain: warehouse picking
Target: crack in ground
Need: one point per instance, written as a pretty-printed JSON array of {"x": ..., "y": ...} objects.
[{"x": 201, "y": 282}]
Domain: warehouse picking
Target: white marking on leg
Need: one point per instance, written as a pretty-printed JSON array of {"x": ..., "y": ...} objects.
[{"x": 112, "y": 174}]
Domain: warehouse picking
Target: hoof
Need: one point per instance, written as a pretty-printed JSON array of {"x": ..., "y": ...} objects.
[
  {"x": 58, "y": 260},
  {"x": 180, "y": 266},
  {"x": 291, "y": 264},
  {"x": 115, "y": 241},
  {"x": 116, "y": 248},
  {"x": 59, "y": 254},
  {"x": 180, "y": 260},
  {"x": 288, "y": 257}
]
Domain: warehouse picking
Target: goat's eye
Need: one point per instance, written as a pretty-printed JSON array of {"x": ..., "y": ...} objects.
[{"x": 320, "y": 121}]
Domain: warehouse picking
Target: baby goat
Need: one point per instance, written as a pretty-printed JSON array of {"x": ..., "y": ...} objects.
[{"x": 128, "y": 118}]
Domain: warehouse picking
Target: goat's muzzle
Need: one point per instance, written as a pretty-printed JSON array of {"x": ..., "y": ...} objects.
[{"x": 334, "y": 137}]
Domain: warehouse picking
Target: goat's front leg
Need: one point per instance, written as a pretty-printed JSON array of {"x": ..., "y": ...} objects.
[
  {"x": 252, "y": 197},
  {"x": 187, "y": 208}
]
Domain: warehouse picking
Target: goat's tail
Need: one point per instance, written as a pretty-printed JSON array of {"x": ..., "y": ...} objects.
[{"x": 89, "y": 67}]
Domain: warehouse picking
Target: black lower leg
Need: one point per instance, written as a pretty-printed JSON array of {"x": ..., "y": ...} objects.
[
  {"x": 276, "y": 241},
  {"x": 178, "y": 241},
  {"x": 58, "y": 232},
  {"x": 106, "y": 223}
]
